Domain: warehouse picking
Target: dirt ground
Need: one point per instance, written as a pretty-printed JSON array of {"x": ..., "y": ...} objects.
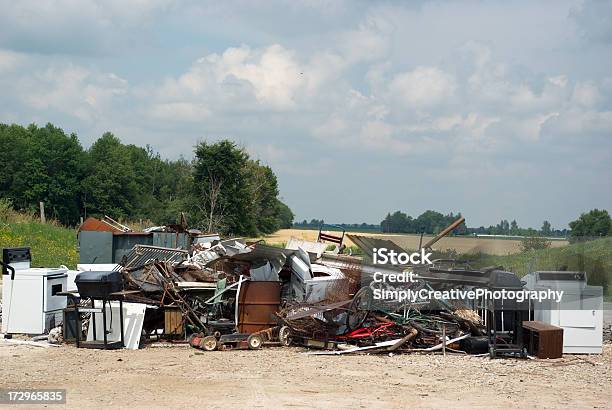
[
  {"x": 283, "y": 377},
  {"x": 460, "y": 244}
]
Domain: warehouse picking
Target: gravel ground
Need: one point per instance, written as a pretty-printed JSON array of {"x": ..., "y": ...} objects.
[{"x": 283, "y": 377}]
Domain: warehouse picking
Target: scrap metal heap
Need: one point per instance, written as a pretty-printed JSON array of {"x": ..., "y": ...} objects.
[{"x": 236, "y": 294}]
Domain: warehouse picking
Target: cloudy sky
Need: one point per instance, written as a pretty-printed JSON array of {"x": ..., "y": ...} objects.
[{"x": 493, "y": 109}]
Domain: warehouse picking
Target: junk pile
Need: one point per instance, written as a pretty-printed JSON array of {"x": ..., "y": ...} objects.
[
  {"x": 228, "y": 293},
  {"x": 220, "y": 294}
]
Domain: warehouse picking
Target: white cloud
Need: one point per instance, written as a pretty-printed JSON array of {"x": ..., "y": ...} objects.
[
  {"x": 180, "y": 111},
  {"x": 271, "y": 77},
  {"x": 586, "y": 94},
  {"x": 69, "y": 89},
  {"x": 9, "y": 60},
  {"x": 369, "y": 42},
  {"x": 423, "y": 87}
]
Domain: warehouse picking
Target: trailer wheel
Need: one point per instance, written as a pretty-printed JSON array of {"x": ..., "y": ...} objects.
[
  {"x": 255, "y": 342},
  {"x": 284, "y": 336},
  {"x": 209, "y": 343}
]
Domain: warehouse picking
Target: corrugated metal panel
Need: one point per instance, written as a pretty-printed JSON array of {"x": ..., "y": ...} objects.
[
  {"x": 257, "y": 302},
  {"x": 140, "y": 255}
]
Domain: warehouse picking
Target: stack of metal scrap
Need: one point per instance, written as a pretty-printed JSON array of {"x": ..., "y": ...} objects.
[{"x": 234, "y": 294}]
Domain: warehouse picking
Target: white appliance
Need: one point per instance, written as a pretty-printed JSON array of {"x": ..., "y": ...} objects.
[
  {"x": 579, "y": 313},
  {"x": 30, "y": 300}
]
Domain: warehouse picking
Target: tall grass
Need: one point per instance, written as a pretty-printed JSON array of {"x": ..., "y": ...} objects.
[
  {"x": 50, "y": 243},
  {"x": 593, "y": 257}
]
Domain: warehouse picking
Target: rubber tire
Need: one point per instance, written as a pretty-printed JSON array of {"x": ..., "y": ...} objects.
[
  {"x": 284, "y": 336},
  {"x": 255, "y": 342},
  {"x": 209, "y": 343}
]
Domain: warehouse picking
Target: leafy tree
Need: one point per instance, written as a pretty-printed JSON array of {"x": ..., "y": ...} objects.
[
  {"x": 546, "y": 229},
  {"x": 50, "y": 172},
  {"x": 594, "y": 223},
  {"x": 263, "y": 188},
  {"x": 111, "y": 186},
  {"x": 285, "y": 216},
  {"x": 514, "y": 228},
  {"x": 221, "y": 187}
]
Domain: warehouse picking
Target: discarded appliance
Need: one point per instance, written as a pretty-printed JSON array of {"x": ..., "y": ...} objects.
[
  {"x": 579, "y": 313},
  {"x": 124, "y": 324},
  {"x": 312, "y": 282},
  {"x": 504, "y": 317},
  {"x": 543, "y": 340},
  {"x": 94, "y": 284},
  {"x": 30, "y": 296},
  {"x": 105, "y": 287}
]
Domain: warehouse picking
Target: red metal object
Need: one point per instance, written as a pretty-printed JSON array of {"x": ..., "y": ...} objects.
[
  {"x": 370, "y": 332},
  {"x": 93, "y": 224}
]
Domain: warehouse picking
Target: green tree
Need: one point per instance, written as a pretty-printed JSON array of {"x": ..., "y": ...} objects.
[
  {"x": 263, "y": 188},
  {"x": 546, "y": 229},
  {"x": 284, "y": 216},
  {"x": 514, "y": 228},
  {"x": 51, "y": 171},
  {"x": 111, "y": 186},
  {"x": 222, "y": 190},
  {"x": 594, "y": 223}
]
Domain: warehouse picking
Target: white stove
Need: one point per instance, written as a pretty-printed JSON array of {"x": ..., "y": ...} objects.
[{"x": 30, "y": 300}]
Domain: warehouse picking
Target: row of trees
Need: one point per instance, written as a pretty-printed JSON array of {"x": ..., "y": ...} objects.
[
  {"x": 222, "y": 189},
  {"x": 595, "y": 223},
  {"x": 511, "y": 228},
  {"x": 429, "y": 222},
  {"x": 316, "y": 223}
]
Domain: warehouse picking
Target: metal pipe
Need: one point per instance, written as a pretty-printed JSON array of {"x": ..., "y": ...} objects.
[{"x": 445, "y": 232}]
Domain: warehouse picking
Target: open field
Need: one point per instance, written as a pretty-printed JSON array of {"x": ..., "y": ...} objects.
[
  {"x": 463, "y": 245},
  {"x": 51, "y": 245},
  {"x": 283, "y": 377}
]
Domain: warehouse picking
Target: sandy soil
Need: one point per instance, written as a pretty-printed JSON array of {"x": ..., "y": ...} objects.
[
  {"x": 283, "y": 377},
  {"x": 460, "y": 244}
]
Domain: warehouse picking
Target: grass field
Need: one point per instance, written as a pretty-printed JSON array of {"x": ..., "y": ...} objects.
[
  {"x": 51, "y": 244},
  {"x": 462, "y": 245}
]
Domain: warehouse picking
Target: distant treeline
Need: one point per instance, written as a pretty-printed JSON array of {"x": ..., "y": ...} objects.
[
  {"x": 222, "y": 189},
  {"x": 316, "y": 223},
  {"x": 593, "y": 224},
  {"x": 432, "y": 222}
]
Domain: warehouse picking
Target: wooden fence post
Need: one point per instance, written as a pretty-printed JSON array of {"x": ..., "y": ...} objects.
[{"x": 42, "y": 212}]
